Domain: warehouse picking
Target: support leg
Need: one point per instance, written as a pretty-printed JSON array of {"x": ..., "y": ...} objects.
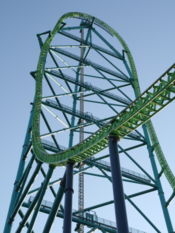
[
  {"x": 35, "y": 205},
  {"x": 15, "y": 193},
  {"x": 55, "y": 206},
  {"x": 68, "y": 199},
  {"x": 119, "y": 201}
]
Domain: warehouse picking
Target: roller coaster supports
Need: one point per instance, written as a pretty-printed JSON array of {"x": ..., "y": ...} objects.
[
  {"x": 158, "y": 182},
  {"x": 21, "y": 199},
  {"x": 81, "y": 175},
  {"x": 36, "y": 203},
  {"x": 15, "y": 194},
  {"x": 55, "y": 206},
  {"x": 119, "y": 201},
  {"x": 68, "y": 199}
]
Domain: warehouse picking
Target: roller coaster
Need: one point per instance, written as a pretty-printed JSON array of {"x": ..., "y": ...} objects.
[{"x": 88, "y": 98}]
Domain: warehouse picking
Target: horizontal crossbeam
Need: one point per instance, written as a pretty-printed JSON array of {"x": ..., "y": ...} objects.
[
  {"x": 136, "y": 114},
  {"x": 92, "y": 45},
  {"x": 92, "y": 64},
  {"x": 88, "y": 219},
  {"x": 89, "y": 86}
]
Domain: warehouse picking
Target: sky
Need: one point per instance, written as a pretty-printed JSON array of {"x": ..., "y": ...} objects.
[{"x": 148, "y": 28}]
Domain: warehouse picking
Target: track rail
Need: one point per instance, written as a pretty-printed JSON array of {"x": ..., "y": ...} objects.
[{"x": 155, "y": 98}]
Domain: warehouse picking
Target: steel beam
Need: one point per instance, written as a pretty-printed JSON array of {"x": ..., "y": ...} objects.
[
  {"x": 81, "y": 135},
  {"x": 55, "y": 206},
  {"x": 25, "y": 192},
  {"x": 92, "y": 64},
  {"x": 158, "y": 182},
  {"x": 119, "y": 201},
  {"x": 92, "y": 45},
  {"x": 43, "y": 190},
  {"x": 15, "y": 193},
  {"x": 68, "y": 199}
]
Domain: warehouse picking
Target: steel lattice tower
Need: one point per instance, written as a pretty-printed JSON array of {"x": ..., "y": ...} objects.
[{"x": 88, "y": 99}]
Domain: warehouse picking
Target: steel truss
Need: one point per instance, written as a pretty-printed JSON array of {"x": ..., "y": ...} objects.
[{"x": 88, "y": 95}]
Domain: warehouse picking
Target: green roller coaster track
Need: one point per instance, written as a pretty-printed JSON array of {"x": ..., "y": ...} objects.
[
  {"x": 87, "y": 93},
  {"x": 147, "y": 104}
]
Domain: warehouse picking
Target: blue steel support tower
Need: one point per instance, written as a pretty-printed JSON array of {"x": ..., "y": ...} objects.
[{"x": 88, "y": 95}]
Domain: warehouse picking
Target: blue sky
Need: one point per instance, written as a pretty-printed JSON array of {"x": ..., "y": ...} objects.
[{"x": 146, "y": 25}]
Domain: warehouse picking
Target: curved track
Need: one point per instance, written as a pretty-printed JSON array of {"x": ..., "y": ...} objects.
[{"x": 156, "y": 97}]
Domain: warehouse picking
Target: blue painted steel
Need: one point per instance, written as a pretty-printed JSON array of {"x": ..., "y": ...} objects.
[
  {"x": 68, "y": 199},
  {"x": 119, "y": 201}
]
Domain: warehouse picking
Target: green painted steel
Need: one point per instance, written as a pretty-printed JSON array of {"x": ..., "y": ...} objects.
[
  {"x": 156, "y": 97},
  {"x": 16, "y": 191},
  {"x": 89, "y": 219}
]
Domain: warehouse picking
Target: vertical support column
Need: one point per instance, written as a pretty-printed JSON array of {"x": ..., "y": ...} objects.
[
  {"x": 81, "y": 175},
  {"x": 40, "y": 198},
  {"x": 119, "y": 201},
  {"x": 36, "y": 203},
  {"x": 21, "y": 199},
  {"x": 68, "y": 199},
  {"x": 55, "y": 206},
  {"x": 15, "y": 193},
  {"x": 146, "y": 129}
]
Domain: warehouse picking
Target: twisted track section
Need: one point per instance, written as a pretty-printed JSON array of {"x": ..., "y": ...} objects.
[{"x": 156, "y": 97}]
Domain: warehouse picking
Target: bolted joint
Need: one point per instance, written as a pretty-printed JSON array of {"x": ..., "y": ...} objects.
[
  {"x": 114, "y": 137},
  {"x": 69, "y": 190}
]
